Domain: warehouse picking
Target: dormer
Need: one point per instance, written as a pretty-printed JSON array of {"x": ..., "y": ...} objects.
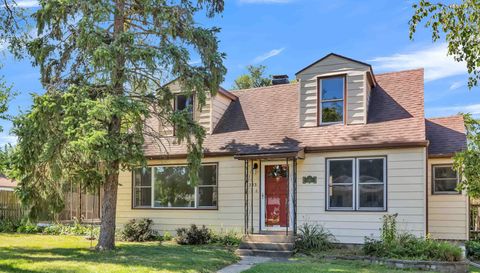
[
  {"x": 208, "y": 116},
  {"x": 335, "y": 90}
]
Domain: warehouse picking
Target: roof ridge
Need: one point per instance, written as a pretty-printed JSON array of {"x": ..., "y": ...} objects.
[
  {"x": 401, "y": 71},
  {"x": 263, "y": 87},
  {"x": 444, "y": 117}
]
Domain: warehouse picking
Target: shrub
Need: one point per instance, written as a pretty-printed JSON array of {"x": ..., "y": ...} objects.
[
  {"x": 193, "y": 235},
  {"x": 28, "y": 227},
  {"x": 407, "y": 246},
  {"x": 9, "y": 225},
  {"x": 139, "y": 230},
  {"x": 313, "y": 238},
  {"x": 227, "y": 239},
  {"x": 167, "y": 236},
  {"x": 76, "y": 228},
  {"x": 473, "y": 249}
]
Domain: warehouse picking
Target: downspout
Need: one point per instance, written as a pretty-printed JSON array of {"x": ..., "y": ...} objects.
[{"x": 426, "y": 190}]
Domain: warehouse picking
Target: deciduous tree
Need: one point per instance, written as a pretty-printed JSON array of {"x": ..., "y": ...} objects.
[
  {"x": 460, "y": 22},
  {"x": 254, "y": 78}
]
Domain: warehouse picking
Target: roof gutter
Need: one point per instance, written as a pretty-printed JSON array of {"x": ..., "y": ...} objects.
[{"x": 385, "y": 145}]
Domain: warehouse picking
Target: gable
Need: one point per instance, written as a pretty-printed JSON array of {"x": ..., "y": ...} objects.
[{"x": 358, "y": 80}]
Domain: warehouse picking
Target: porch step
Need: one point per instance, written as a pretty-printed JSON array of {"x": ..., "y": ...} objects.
[
  {"x": 269, "y": 245},
  {"x": 266, "y": 246},
  {"x": 264, "y": 253},
  {"x": 269, "y": 238}
]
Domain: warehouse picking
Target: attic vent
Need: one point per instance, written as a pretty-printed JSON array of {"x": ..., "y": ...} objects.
[{"x": 279, "y": 79}]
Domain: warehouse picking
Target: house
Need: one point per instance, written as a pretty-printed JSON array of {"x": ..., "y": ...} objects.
[{"x": 341, "y": 147}]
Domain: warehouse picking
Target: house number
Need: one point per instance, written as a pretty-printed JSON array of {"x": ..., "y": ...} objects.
[{"x": 309, "y": 179}]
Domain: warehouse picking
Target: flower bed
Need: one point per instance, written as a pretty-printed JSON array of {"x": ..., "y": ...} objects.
[{"x": 438, "y": 266}]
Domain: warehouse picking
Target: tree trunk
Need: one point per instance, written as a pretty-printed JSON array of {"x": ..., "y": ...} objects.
[{"x": 106, "y": 241}]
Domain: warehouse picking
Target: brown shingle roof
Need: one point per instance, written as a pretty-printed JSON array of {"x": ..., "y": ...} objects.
[
  {"x": 446, "y": 135},
  {"x": 267, "y": 120}
]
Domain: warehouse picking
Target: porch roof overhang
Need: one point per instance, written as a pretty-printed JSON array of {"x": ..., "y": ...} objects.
[{"x": 298, "y": 154}]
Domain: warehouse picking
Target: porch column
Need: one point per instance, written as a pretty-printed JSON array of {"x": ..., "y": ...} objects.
[
  {"x": 246, "y": 198},
  {"x": 294, "y": 178}
]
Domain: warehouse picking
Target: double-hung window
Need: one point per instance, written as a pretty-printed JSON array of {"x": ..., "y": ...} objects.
[
  {"x": 184, "y": 103},
  {"x": 331, "y": 95},
  {"x": 444, "y": 180},
  {"x": 356, "y": 183},
  {"x": 169, "y": 186}
]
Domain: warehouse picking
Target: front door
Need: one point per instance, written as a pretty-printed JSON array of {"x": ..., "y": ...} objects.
[{"x": 276, "y": 196}]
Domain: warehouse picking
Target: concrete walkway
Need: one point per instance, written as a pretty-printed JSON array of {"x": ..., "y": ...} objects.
[{"x": 247, "y": 262}]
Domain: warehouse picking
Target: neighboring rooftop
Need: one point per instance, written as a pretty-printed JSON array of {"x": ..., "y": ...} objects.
[
  {"x": 446, "y": 135},
  {"x": 6, "y": 183}
]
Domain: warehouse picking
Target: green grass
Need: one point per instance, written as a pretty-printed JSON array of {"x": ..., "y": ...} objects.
[
  {"x": 317, "y": 266},
  {"x": 44, "y": 253}
]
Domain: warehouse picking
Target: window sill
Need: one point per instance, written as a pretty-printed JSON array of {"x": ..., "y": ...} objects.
[
  {"x": 447, "y": 193},
  {"x": 150, "y": 208},
  {"x": 356, "y": 210}
]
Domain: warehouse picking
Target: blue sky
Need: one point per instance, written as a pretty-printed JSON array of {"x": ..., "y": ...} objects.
[{"x": 287, "y": 35}]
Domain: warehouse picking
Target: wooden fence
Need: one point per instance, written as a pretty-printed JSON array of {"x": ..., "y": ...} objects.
[{"x": 10, "y": 208}]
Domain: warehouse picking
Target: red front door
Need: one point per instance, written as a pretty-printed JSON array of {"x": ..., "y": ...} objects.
[{"x": 276, "y": 195}]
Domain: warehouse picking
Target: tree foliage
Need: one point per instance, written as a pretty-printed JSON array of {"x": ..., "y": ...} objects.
[
  {"x": 103, "y": 65},
  {"x": 254, "y": 78},
  {"x": 467, "y": 162},
  {"x": 461, "y": 24}
]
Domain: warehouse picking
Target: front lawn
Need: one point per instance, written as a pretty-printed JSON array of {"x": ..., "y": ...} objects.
[
  {"x": 46, "y": 253},
  {"x": 318, "y": 266}
]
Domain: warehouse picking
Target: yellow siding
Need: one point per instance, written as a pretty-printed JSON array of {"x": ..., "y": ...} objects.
[
  {"x": 405, "y": 195},
  {"x": 356, "y": 93},
  {"x": 220, "y": 104},
  {"x": 229, "y": 215},
  {"x": 447, "y": 214},
  {"x": 405, "y": 190}
]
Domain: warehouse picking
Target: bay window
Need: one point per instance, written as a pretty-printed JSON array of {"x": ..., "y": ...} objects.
[
  {"x": 356, "y": 183},
  {"x": 170, "y": 187},
  {"x": 331, "y": 99}
]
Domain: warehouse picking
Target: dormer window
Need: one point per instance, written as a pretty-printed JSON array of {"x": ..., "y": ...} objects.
[
  {"x": 331, "y": 99},
  {"x": 183, "y": 102}
]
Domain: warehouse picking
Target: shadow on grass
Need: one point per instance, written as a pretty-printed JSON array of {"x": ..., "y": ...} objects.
[{"x": 128, "y": 257}]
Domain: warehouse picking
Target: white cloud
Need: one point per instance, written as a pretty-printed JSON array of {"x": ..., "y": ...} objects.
[
  {"x": 268, "y": 55},
  {"x": 7, "y": 139},
  {"x": 442, "y": 111},
  {"x": 264, "y": 1},
  {"x": 27, "y": 3},
  {"x": 456, "y": 85},
  {"x": 435, "y": 60}
]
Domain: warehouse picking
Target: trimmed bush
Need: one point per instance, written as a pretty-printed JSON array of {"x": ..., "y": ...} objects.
[
  {"x": 167, "y": 236},
  {"x": 407, "y": 246},
  {"x": 193, "y": 235},
  {"x": 473, "y": 249},
  {"x": 312, "y": 238},
  {"x": 226, "y": 239},
  {"x": 139, "y": 230}
]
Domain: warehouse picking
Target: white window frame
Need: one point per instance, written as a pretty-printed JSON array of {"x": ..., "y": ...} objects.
[
  {"x": 356, "y": 184},
  {"x": 384, "y": 183},
  {"x": 330, "y": 186},
  {"x": 321, "y": 100},
  {"x": 135, "y": 187},
  {"x": 196, "y": 196},
  {"x": 434, "y": 192}
]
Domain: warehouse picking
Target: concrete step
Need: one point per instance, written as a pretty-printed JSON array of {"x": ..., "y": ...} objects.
[
  {"x": 266, "y": 246},
  {"x": 264, "y": 253},
  {"x": 268, "y": 238}
]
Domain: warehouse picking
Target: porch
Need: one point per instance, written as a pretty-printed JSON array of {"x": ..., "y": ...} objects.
[{"x": 270, "y": 192}]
